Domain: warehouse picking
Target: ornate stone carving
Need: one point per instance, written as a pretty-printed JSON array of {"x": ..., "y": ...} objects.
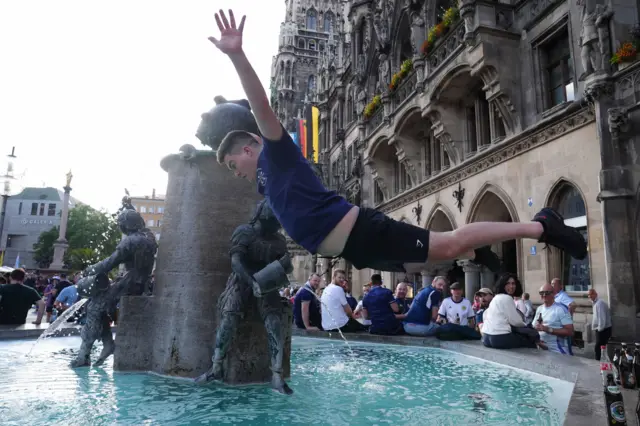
[
  {"x": 597, "y": 89},
  {"x": 514, "y": 148},
  {"x": 381, "y": 28},
  {"x": 589, "y": 41},
  {"x": 384, "y": 73},
  {"x": 618, "y": 121},
  {"x": 361, "y": 67},
  {"x": 361, "y": 101},
  {"x": 467, "y": 13},
  {"x": 604, "y": 15},
  {"x": 417, "y": 31}
]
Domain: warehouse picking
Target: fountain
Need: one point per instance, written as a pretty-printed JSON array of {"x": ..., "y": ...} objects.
[{"x": 173, "y": 331}]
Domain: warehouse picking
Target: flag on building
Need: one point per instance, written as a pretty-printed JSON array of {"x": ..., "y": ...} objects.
[
  {"x": 312, "y": 118},
  {"x": 17, "y": 265},
  {"x": 294, "y": 138},
  {"x": 302, "y": 137}
]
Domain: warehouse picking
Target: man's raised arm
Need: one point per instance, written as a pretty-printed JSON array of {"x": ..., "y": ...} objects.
[{"x": 230, "y": 43}]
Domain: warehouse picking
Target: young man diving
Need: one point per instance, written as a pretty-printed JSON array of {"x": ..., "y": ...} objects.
[{"x": 325, "y": 223}]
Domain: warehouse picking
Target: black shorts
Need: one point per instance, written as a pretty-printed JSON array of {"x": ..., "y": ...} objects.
[{"x": 381, "y": 243}]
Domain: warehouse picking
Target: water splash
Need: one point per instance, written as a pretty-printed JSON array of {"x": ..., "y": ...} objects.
[
  {"x": 59, "y": 322},
  {"x": 334, "y": 321}
]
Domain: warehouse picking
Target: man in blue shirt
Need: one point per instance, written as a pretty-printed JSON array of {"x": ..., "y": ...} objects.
[
  {"x": 323, "y": 222},
  {"x": 380, "y": 307},
  {"x": 421, "y": 318},
  {"x": 67, "y": 297},
  {"x": 306, "y": 306}
]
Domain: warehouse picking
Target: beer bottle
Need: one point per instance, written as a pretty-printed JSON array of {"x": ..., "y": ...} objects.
[
  {"x": 457, "y": 318},
  {"x": 627, "y": 375},
  {"x": 606, "y": 368},
  {"x": 616, "y": 366},
  {"x": 614, "y": 403},
  {"x": 540, "y": 318}
]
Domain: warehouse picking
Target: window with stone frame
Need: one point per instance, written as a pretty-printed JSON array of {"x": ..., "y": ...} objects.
[
  {"x": 312, "y": 45},
  {"x": 41, "y": 212},
  {"x": 301, "y": 44},
  {"x": 477, "y": 124},
  {"x": 378, "y": 195},
  {"x": 328, "y": 21},
  {"x": 312, "y": 18},
  {"x": 575, "y": 274},
  {"x": 350, "y": 108},
  {"x": 401, "y": 178},
  {"x": 34, "y": 209},
  {"x": 349, "y": 159},
  {"x": 556, "y": 66},
  {"x": 51, "y": 211},
  {"x": 436, "y": 155}
]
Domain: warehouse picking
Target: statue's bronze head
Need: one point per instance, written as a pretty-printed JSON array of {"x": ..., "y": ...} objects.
[
  {"x": 264, "y": 220},
  {"x": 223, "y": 118},
  {"x": 130, "y": 221}
]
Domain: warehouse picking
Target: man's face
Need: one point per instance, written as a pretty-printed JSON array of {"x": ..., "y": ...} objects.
[
  {"x": 546, "y": 294},
  {"x": 438, "y": 284},
  {"x": 485, "y": 299},
  {"x": 314, "y": 281},
  {"x": 243, "y": 162},
  {"x": 557, "y": 287},
  {"x": 339, "y": 279},
  {"x": 401, "y": 291},
  {"x": 592, "y": 295},
  {"x": 456, "y": 293}
]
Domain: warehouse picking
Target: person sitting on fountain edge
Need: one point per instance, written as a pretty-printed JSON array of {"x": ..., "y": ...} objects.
[{"x": 325, "y": 223}]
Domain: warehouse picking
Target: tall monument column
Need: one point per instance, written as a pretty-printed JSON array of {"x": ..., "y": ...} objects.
[{"x": 61, "y": 245}]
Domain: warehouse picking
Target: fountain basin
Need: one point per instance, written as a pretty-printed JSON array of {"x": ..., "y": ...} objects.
[{"x": 367, "y": 384}]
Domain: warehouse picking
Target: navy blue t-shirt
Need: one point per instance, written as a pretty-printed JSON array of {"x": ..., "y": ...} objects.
[
  {"x": 420, "y": 311},
  {"x": 305, "y": 208},
  {"x": 378, "y": 305},
  {"x": 353, "y": 303},
  {"x": 305, "y": 295},
  {"x": 403, "y": 304}
]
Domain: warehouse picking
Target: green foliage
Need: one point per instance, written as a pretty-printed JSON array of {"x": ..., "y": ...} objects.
[{"x": 92, "y": 235}]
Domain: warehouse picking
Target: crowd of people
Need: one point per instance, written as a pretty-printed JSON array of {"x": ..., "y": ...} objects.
[{"x": 502, "y": 318}]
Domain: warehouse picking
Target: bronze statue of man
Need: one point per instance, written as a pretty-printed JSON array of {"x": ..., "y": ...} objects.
[
  {"x": 137, "y": 250},
  {"x": 259, "y": 262}
]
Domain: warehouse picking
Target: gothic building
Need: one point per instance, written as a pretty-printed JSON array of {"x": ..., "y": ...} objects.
[{"x": 442, "y": 113}]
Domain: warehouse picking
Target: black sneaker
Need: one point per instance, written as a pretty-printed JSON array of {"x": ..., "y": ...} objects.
[
  {"x": 484, "y": 256},
  {"x": 559, "y": 235}
]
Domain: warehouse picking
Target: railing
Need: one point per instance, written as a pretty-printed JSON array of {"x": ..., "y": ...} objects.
[
  {"x": 446, "y": 47},
  {"x": 375, "y": 121},
  {"x": 405, "y": 89}
]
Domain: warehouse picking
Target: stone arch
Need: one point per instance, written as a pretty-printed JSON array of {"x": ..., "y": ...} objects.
[
  {"x": 568, "y": 199},
  {"x": 493, "y": 204},
  {"x": 440, "y": 219},
  {"x": 374, "y": 145},
  {"x": 449, "y": 79},
  {"x": 401, "y": 45},
  {"x": 405, "y": 119},
  {"x": 415, "y": 144}
]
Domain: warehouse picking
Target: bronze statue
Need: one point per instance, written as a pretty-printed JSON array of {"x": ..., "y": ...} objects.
[
  {"x": 137, "y": 251},
  {"x": 260, "y": 262}
]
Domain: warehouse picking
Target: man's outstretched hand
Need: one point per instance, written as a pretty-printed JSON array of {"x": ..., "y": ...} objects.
[{"x": 230, "y": 40}]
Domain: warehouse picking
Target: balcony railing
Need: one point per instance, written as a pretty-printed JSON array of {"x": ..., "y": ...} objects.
[
  {"x": 405, "y": 89},
  {"x": 449, "y": 44},
  {"x": 375, "y": 121}
]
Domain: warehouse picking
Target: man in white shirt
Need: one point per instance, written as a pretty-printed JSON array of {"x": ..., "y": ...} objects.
[
  {"x": 556, "y": 327},
  {"x": 601, "y": 322},
  {"x": 561, "y": 296},
  {"x": 456, "y": 309},
  {"x": 335, "y": 310}
]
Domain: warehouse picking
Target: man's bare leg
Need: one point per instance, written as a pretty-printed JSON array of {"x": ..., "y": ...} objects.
[{"x": 461, "y": 243}]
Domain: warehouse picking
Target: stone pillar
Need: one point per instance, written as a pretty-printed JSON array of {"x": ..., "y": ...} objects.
[
  {"x": 471, "y": 278},
  {"x": 61, "y": 245},
  {"x": 487, "y": 279},
  {"x": 427, "y": 277},
  {"x": 192, "y": 271},
  {"x": 617, "y": 203}
]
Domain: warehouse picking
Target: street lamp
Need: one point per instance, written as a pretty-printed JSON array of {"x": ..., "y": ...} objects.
[{"x": 6, "y": 180}]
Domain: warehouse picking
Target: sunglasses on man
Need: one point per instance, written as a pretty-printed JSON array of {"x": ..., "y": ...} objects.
[{"x": 545, "y": 293}]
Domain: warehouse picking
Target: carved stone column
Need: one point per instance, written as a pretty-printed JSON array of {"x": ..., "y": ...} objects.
[
  {"x": 487, "y": 279},
  {"x": 471, "y": 278},
  {"x": 418, "y": 66},
  {"x": 387, "y": 104},
  {"x": 617, "y": 203},
  {"x": 467, "y": 13},
  {"x": 427, "y": 277}
]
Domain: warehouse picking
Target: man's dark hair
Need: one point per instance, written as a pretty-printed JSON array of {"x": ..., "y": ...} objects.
[
  {"x": 63, "y": 276},
  {"x": 376, "y": 279},
  {"x": 18, "y": 275}
]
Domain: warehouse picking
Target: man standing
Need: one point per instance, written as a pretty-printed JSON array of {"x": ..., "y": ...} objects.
[
  {"x": 306, "y": 306},
  {"x": 556, "y": 327},
  {"x": 335, "y": 310},
  {"x": 561, "y": 296},
  {"x": 16, "y": 299},
  {"x": 601, "y": 322},
  {"x": 421, "y": 318},
  {"x": 381, "y": 308}
]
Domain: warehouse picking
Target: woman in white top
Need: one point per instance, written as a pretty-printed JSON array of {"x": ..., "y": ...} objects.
[{"x": 503, "y": 325}]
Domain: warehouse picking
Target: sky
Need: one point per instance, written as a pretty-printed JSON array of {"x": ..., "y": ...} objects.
[{"x": 107, "y": 89}]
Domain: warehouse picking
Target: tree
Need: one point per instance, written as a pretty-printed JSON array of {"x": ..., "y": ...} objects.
[{"x": 92, "y": 235}]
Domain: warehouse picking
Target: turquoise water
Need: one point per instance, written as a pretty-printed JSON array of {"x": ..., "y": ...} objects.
[{"x": 373, "y": 385}]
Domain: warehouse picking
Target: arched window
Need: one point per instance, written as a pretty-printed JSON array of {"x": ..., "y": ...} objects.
[
  {"x": 570, "y": 204},
  {"x": 312, "y": 45},
  {"x": 328, "y": 21},
  {"x": 311, "y": 19},
  {"x": 301, "y": 44}
]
